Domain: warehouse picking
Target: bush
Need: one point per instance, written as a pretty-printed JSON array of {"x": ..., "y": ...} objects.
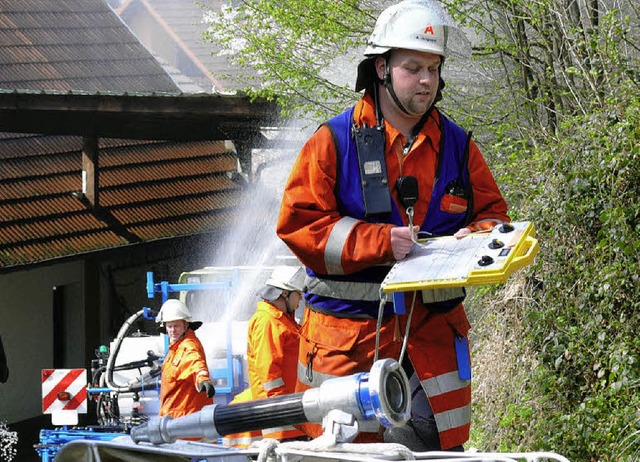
[{"x": 569, "y": 345}]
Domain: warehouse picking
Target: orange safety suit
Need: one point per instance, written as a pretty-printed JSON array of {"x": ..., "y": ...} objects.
[
  {"x": 272, "y": 360},
  {"x": 329, "y": 243},
  {"x": 183, "y": 370}
]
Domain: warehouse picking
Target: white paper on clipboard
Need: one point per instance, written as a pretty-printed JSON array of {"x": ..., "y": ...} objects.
[{"x": 450, "y": 262}]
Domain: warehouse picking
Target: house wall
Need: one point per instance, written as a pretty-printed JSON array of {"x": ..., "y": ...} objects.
[
  {"x": 26, "y": 328},
  {"x": 123, "y": 277}
]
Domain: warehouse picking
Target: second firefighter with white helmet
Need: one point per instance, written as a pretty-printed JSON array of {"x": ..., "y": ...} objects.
[
  {"x": 286, "y": 283},
  {"x": 272, "y": 348},
  {"x": 186, "y": 386}
]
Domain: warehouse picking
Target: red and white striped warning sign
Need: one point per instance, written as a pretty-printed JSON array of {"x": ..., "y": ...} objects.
[{"x": 64, "y": 390}]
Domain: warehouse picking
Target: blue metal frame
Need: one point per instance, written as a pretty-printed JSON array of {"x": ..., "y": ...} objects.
[
  {"x": 51, "y": 441},
  {"x": 165, "y": 288}
]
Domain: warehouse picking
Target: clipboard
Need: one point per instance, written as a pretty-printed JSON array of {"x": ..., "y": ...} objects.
[{"x": 477, "y": 259}]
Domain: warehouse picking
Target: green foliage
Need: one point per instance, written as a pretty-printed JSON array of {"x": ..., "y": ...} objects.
[
  {"x": 292, "y": 46},
  {"x": 580, "y": 185},
  {"x": 564, "y": 142},
  {"x": 586, "y": 334}
]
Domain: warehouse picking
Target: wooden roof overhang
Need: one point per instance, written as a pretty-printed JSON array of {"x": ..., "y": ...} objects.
[{"x": 183, "y": 117}]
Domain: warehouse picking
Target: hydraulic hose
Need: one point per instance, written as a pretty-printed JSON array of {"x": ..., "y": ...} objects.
[
  {"x": 130, "y": 387},
  {"x": 270, "y": 413},
  {"x": 381, "y": 394}
]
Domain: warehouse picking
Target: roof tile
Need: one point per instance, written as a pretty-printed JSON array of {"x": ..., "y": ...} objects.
[
  {"x": 148, "y": 190},
  {"x": 79, "y": 45}
]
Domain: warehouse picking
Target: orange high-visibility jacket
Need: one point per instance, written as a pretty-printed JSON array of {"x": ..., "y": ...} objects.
[
  {"x": 309, "y": 210},
  {"x": 183, "y": 370},
  {"x": 328, "y": 243},
  {"x": 272, "y": 358}
]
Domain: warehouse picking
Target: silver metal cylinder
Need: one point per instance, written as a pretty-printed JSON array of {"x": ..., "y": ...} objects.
[{"x": 381, "y": 394}]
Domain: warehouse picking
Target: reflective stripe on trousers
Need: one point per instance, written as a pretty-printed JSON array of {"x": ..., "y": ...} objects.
[{"x": 440, "y": 385}]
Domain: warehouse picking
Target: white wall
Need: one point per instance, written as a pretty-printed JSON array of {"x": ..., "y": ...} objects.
[{"x": 26, "y": 309}]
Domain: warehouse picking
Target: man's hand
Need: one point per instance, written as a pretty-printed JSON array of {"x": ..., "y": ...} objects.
[
  {"x": 401, "y": 241},
  {"x": 462, "y": 233},
  {"x": 207, "y": 386}
]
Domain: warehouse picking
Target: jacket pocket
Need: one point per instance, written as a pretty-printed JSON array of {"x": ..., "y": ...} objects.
[
  {"x": 327, "y": 349},
  {"x": 335, "y": 334}
]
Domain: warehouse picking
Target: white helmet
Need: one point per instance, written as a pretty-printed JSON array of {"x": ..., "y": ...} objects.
[
  {"x": 288, "y": 277},
  {"x": 175, "y": 310},
  {"x": 420, "y": 25},
  {"x": 291, "y": 278}
]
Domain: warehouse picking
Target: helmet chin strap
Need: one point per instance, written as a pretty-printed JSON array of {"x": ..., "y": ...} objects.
[
  {"x": 288, "y": 307},
  {"x": 386, "y": 81},
  {"x": 388, "y": 84}
]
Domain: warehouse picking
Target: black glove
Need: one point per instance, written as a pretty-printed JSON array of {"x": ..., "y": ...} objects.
[{"x": 207, "y": 386}]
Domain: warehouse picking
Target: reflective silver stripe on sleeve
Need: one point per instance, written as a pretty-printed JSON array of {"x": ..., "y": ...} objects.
[
  {"x": 266, "y": 431},
  {"x": 441, "y": 295},
  {"x": 335, "y": 244},
  {"x": 444, "y": 383},
  {"x": 454, "y": 418},
  {"x": 242, "y": 441},
  {"x": 317, "y": 378},
  {"x": 273, "y": 384},
  {"x": 344, "y": 290}
]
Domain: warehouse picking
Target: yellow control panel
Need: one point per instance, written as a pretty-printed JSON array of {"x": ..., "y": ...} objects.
[{"x": 478, "y": 259}]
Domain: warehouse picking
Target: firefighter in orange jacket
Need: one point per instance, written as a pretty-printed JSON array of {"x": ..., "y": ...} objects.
[
  {"x": 185, "y": 386},
  {"x": 345, "y": 214},
  {"x": 272, "y": 349}
]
